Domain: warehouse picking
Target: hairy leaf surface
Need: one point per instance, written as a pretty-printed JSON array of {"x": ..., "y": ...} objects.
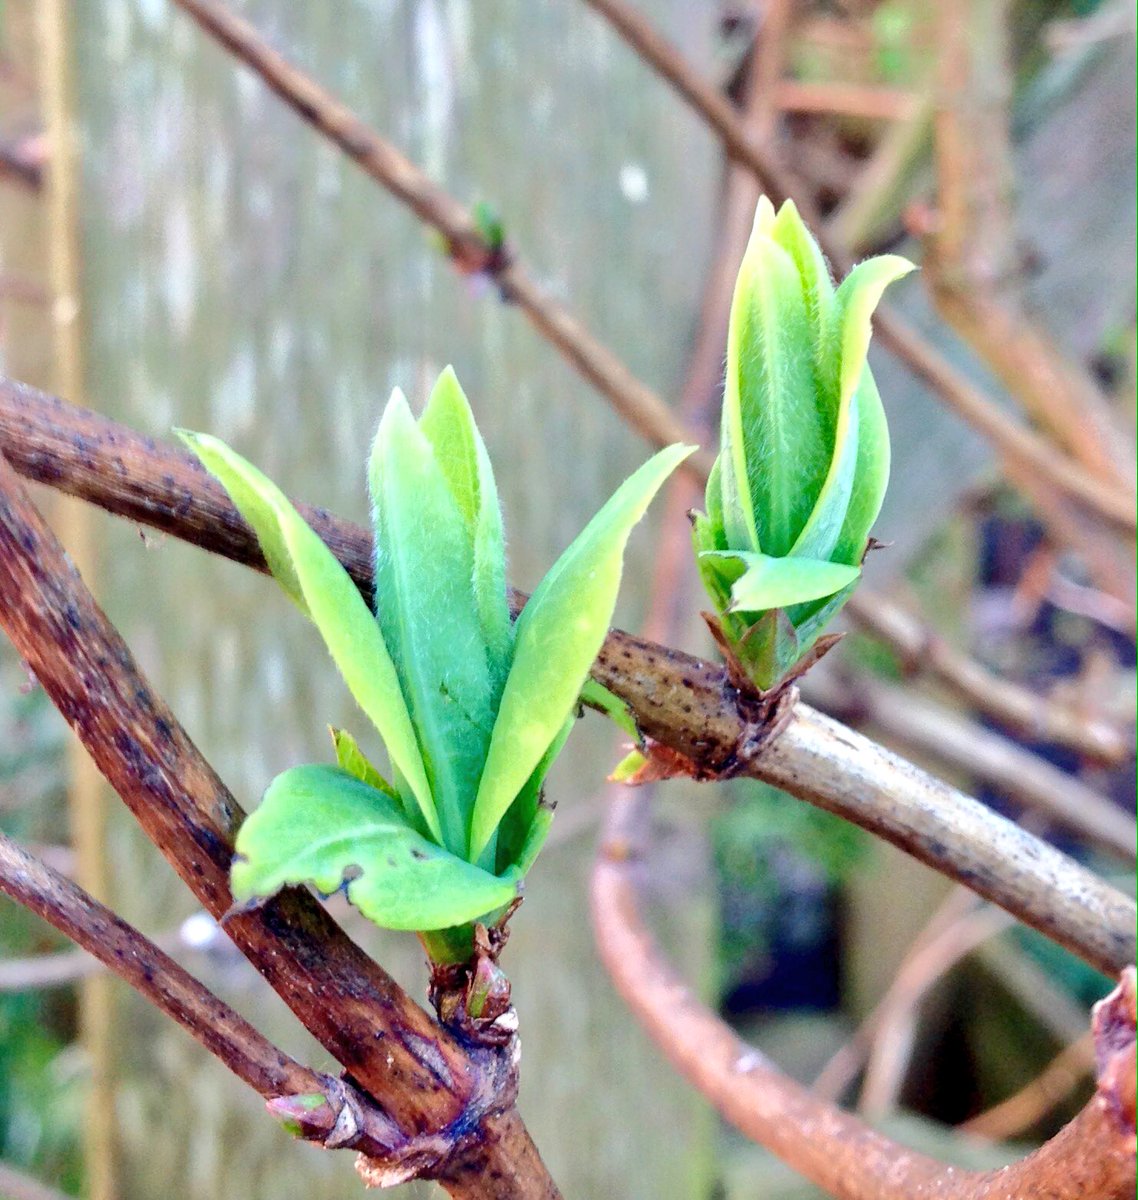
[
  {"x": 333, "y": 602},
  {"x": 425, "y": 607},
  {"x": 769, "y": 582},
  {"x": 320, "y": 825},
  {"x": 557, "y": 637}
]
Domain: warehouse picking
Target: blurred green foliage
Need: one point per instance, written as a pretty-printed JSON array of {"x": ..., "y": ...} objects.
[{"x": 40, "y": 1104}]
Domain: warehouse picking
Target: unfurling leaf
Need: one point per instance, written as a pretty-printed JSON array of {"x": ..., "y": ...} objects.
[
  {"x": 320, "y": 825},
  {"x": 472, "y": 707},
  {"x": 332, "y": 601},
  {"x": 804, "y": 449},
  {"x": 557, "y": 637}
]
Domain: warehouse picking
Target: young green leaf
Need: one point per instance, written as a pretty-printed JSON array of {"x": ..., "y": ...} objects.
[
  {"x": 534, "y": 840},
  {"x": 448, "y": 424},
  {"x": 425, "y": 607},
  {"x": 320, "y": 825},
  {"x": 777, "y": 435},
  {"x": 332, "y": 601},
  {"x": 628, "y": 767},
  {"x": 770, "y": 582},
  {"x": 556, "y": 640},
  {"x": 353, "y": 760},
  {"x": 857, "y": 297},
  {"x": 515, "y": 835},
  {"x": 766, "y": 647},
  {"x": 249, "y": 490},
  {"x": 717, "y": 573},
  {"x": 597, "y": 696},
  {"x": 824, "y": 525},
  {"x": 790, "y": 232},
  {"x": 871, "y": 473}
]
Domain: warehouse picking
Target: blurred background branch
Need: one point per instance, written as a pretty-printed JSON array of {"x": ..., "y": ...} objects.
[{"x": 240, "y": 279}]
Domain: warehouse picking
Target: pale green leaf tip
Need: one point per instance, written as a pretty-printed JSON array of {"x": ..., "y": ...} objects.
[
  {"x": 628, "y": 767},
  {"x": 764, "y": 216}
]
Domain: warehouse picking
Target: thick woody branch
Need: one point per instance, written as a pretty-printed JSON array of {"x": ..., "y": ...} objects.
[
  {"x": 932, "y": 730},
  {"x": 224, "y": 1033},
  {"x": 637, "y": 404},
  {"x": 426, "y": 1080},
  {"x": 682, "y": 702},
  {"x": 1092, "y": 1157}
]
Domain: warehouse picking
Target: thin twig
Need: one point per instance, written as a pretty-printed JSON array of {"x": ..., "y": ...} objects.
[
  {"x": 637, "y": 404},
  {"x": 160, "y": 980},
  {"x": 931, "y": 729},
  {"x": 1033, "y": 459},
  {"x": 424, "y": 1077},
  {"x": 891, "y": 1038},
  {"x": 682, "y": 702},
  {"x": 1092, "y": 1156},
  {"x": 703, "y": 381},
  {"x": 1054, "y": 1084},
  {"x": 1027, "y": 713},
  {"x": 971, "y": 264},
  {"x": 844, "y": 1065},
  {"x": 876, "y": 198},
  {"x": 861, "y": 101},
  {"x": 641, "y": 407},
  {"x": 56, "y": 970}
]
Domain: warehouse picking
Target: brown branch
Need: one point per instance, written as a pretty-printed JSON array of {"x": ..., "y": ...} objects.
[
  {"x": 971, "y": 262},
  {"x": 876, "y": 198},
  {"x": 425, "y": 1078},
  {"x": 1008, "y": 1119},
  {"x": 862, "y": 101},
  {"x": 637, "y": 404},
  {"x": 1092, "y": 1157},
  {"x": 210, "y": 1021},
  {"x": 684, "y": 703},
  {"x": 703, "y": 381},
  {"x": 1030, "y": 459},
  {"x": 932, "y": 729},
  {"x": 746, "y": 145},
  {"x": 1015, "y": 707}
]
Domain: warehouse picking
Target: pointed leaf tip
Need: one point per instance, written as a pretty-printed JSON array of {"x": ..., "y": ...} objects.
[
  {"x": 557, "y": 637},
  {"x": 312, "y": 576},
  {"x": 319, "y": 825}
]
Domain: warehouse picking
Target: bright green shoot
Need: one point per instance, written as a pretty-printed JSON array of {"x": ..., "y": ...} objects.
[
  {"x": 471, "y": 706},
  {"x": 804, "y": 448}
]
